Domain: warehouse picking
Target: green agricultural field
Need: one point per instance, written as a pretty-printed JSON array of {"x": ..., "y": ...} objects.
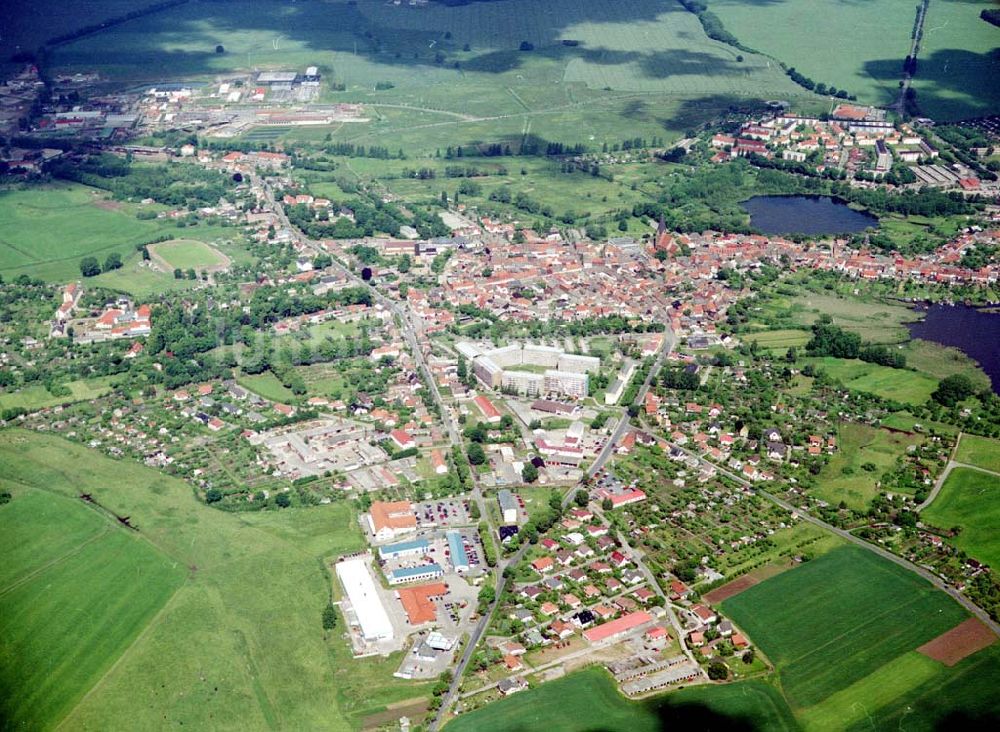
[
  {"x": 457, "y": 73},
  {"x": 778, "y": 338},
  {"x": 834, "y": 620},
  {"x": 961, "y": 697},
  {"x": 588, "y": 698},
  {"x": 970, "y": 499},
  {"x": 76, "y": 592},
  {"x": 843, "y": 478},
  {"x": 188, "y": 253},
  {"x": 958, "y": 72},
  {"x": 980, "y": 451},
  {"x": 854, "y": 46},
  {"x": 240, "y": 637},
  {"x": 45, "y": 231},
  {"x": 38, "y": 397},
  {"x": 900, "y": 385}
]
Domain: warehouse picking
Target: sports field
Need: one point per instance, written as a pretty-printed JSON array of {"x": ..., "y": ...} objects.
[
  {"x": 589, "y": 700},
  {"x": 970, "y": 499},
  {"x": 843, "y": 478},
  {"x": 239, "y": 638},
  {"x": 188, "y": 253},
  {"x": 958, "y": 74},
  {"x": 839, "y": 618},
  {"x": 980, "y": 451},
  {"x": 840, "y": 43},
  {"x": 45, "y": 231},
  {"x": 900, "y": 385}
]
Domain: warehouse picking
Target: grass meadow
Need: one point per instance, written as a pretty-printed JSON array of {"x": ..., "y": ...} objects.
[
  {"x": 589, "y": 699},
  {"x": 76, "y": 592},
  {"x": 843, "y": 478},
  {"x": 980, "y": 451},
  {"x": 854, "y": 46},
  {"x": 901, "y": 385},
  {"x": 839, "y": 618},
  {"x": 45, "y": 231},
  {"x": 457, "y": 72},
  {"x": 874, "y": 321},
  {"x": 38, "y": 397},
  {"x": 266, "y": 384},
  {"x": 970, "y": 499},
  {"x": 239, "y": 638}
]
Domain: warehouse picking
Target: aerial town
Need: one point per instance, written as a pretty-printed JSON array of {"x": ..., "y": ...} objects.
[{"x": 422, "y": 419}]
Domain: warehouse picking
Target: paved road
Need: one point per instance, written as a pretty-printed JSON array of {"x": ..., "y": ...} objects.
[
  {"x": 934, "y": 579},
  {"x": 944, "y": 475},
  {"x": 606, "y": 452}
]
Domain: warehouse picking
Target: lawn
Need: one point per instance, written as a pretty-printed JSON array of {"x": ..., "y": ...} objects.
[
  {"x": 238, "y": 645},
  {"x": 900, "y": 385},
  {"x": 589, "y": 700},
  {"x": 834, "y": 620},
  {"x": 188, "y": 253},
  {"x": 843, "y": 478},
  {"x": 970, "y": 499},
  {"x": 76, "y": 591},
  {"x": 845, "y": 44},
  {"x": 959, "y": 67},
  {"x": 980, "y": 451},
  {"x": 46, "y": 230},
  {"x": 38, "y": 397},
  {"x": 267, "y": 386}
]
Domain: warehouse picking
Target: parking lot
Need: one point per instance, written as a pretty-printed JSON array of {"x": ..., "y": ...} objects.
[
  {"x": 447, "y": 512},
  {"x": 438, "y": 551}
]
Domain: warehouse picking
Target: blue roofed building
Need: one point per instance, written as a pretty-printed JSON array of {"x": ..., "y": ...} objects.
[
  {"x": 401, "y": 549},
  {"x": 456, "y": 547},
  {"x": 415, "y": 574}
]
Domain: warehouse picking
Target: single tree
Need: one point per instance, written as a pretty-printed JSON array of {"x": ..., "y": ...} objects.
[
  {"x": 329, "y": 617},
  {"x": 89, "y": 267}
]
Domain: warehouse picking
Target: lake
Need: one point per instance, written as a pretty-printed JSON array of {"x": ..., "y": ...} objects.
[
  {"x": 812, "y": 215},
  {"x": 974, "y": 331}
]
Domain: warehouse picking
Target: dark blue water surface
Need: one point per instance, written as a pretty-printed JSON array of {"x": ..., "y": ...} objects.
[
  {"x": 812, "y": 215},
  {"x": 974, "y": 331}
]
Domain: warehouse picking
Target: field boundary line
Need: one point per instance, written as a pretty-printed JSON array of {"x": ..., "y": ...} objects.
[
  {"x": 852, "y": 631},
  {"x": 105, "y": 530},
  {"x": 121, "y": 657}
]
